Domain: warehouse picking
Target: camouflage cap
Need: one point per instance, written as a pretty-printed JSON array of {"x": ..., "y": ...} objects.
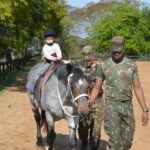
[
  {"x": 117, "y": 44},
  {"x": 87, "y": 50}
]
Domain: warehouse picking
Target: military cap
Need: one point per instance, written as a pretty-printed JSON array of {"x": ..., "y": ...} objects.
[
  {"x": 117, "y": 43},
  {"x": 87, "y": 49}
]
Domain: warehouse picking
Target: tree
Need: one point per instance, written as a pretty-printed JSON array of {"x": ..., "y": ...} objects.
[
  {"x": 69, "y": 42},
  {"x": 23, "y": 20},
  {"x": 125, "y": 20},
  {"x": 6, "y": 23}
]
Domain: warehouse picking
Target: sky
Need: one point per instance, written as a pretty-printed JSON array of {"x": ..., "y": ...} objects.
[{"x": 82, "y": 3}]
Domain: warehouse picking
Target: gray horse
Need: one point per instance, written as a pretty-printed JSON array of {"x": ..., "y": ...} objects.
[{"x": 63, "y": 96}]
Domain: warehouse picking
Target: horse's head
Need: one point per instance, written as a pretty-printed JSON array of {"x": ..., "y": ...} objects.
[
  {"x": 79, "y": 90},
  {"x": 78, "y": 84}
]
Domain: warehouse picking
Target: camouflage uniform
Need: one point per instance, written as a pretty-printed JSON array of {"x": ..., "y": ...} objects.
[
  {"x": 90, "y": 128},
  {"x": 119, "y": 122}
]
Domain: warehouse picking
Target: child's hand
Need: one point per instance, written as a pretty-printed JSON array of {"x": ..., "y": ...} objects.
[
  {"x": 58, "y": 58},
  {"x": 54, "y": 55},
  {"x": 43, "y": 59}
]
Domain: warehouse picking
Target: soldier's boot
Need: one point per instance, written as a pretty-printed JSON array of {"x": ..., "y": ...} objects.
[{"x": 84, "y": 144}]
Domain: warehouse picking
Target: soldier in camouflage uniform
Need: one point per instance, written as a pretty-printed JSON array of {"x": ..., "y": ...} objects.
[
  {"x": 120, "y": 74},
  {"x": 90, "y": 128}
]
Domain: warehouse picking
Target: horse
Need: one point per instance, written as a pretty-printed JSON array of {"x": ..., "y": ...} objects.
[{"x": 64, "y": 95}]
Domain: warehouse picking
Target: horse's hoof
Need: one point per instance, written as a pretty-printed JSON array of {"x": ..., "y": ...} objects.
[
  {"x": 39, "y": 143},
  {"x": 48, "y": 148},
  {"x": 73, "y": 149}
]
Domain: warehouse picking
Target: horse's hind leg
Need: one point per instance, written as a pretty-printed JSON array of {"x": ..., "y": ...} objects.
[
  {"x": 51, "y": 132},
  {"x": 37, "y": 117}
]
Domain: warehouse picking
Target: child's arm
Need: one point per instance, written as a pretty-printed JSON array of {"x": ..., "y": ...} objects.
[
  {"x": 47, "y": 55},
  {"x": 58, "y": 52},
  {"x": 43, "y": 59}
]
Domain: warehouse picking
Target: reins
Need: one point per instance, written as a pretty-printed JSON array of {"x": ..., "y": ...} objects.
[
  {"x": 73, "y": 99},
  {"x": 60, "y": 100},
  {"x": 79, "y": 96}
]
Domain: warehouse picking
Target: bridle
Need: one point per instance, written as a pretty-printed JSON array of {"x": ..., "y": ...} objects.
[{"x": 74, "y": 99}]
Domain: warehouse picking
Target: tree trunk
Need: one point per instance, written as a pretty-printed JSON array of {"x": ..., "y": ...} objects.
[{"x": 8, "y": 57}]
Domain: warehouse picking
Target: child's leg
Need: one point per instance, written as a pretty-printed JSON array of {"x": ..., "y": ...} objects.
[
  {"x": 42, "y": 71},
  {"x": 31, "y": 85}
]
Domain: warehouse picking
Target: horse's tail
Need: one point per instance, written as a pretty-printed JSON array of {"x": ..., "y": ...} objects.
[{"x": 43, "y": 121}]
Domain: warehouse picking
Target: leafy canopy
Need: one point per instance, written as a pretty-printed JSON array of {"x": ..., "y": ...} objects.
[
  {"x": 126, "y": 20},
  {"x": 23, "y": 20}
]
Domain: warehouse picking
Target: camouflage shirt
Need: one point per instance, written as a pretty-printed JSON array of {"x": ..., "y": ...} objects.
[
  {"x": 90, "y": 72},
  {"x": 118, "y": 78}
]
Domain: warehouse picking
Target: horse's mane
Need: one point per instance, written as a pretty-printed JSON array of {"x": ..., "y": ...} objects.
[
  {"x": 64, "y": 70},
  {"x": 78, "y": 74}
]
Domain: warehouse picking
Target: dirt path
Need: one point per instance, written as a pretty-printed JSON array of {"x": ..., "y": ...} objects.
[{"x": 18, "y": 129}]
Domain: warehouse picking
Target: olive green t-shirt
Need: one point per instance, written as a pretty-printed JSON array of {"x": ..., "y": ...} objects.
[{"x": 118, "y": 78}]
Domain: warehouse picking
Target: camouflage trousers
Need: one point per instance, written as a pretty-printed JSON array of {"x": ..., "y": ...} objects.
[
  {"x": 119, "y": 124},
  {"x": 90, "y": 128}
]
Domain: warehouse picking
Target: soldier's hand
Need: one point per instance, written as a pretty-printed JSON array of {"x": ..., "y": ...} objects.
[
  {"x": 144, "y": 118},
  {"x": 92, "y": 104}
]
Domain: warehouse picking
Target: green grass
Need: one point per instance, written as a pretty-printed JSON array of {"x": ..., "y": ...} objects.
[{"x": 11, "y": 77}]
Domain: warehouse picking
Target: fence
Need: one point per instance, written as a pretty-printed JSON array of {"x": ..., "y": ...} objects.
[
  {"x": 140, "y": 58},
  {"x": 9, "y": 67}
]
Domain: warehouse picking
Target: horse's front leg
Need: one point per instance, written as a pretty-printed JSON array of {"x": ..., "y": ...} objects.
[{"x": 73, "y": 122}]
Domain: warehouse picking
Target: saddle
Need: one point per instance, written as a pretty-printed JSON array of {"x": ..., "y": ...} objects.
[{"x": 46, "y": 76}]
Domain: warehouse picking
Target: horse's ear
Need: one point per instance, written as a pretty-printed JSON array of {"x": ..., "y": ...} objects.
[{"x": 69, "y": 68}]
